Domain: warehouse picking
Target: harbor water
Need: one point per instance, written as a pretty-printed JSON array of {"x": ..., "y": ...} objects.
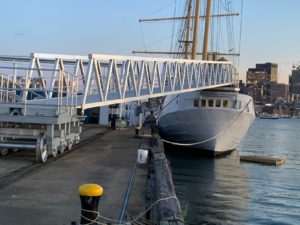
[{"x": 226, "y": 191}]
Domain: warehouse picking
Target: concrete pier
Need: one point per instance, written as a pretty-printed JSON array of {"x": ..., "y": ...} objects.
[
  {"x": 48, "y": 194},
  {"x": 167, "y": 211}
]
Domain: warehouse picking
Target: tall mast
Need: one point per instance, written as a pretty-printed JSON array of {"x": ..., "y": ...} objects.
[
  {"x": 206, "y": 30},
  {"x": 196, "y": 29},
  {"x": 191, "y": 52},
  {"x": 187, "y": 35}
]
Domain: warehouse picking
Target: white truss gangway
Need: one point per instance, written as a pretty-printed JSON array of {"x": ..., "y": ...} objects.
[{"x": 41, "y": 95}]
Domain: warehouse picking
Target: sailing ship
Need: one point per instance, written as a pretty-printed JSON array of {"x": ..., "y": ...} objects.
[{"x": 213, "y": 120}]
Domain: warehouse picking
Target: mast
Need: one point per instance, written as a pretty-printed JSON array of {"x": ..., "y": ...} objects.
[
  {"x": 206, "y": 30},
  {"x": 191, "y": 52},
  {"x": 196, "y": 29},
  {"x": 187, "y": 35}
]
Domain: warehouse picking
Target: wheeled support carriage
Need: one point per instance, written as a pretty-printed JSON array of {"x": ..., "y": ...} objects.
[{"x": 44, "y": 129}]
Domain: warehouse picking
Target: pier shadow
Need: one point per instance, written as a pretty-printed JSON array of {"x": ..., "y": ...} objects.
[{"x": 195, "y": 152}]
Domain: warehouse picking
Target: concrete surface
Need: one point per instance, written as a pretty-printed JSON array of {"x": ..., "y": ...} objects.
[{"x": 49, "y": 193}]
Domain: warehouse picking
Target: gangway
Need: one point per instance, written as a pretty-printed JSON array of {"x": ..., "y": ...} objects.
[{"x": 43, "y": 96}]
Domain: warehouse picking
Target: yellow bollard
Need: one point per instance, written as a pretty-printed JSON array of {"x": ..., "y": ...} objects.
[{"x": 90, "y": 195}]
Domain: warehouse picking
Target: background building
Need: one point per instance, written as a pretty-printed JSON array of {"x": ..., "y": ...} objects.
[
  {"x": 294, "y": 82},
  {"x": 271, "y": 69},
  {"x": 294, "y": 85},
  {"x": 259, "y": 80},
  {"x": 279, "y": 91}
]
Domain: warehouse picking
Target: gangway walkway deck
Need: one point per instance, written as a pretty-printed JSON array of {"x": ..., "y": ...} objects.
[{"x": 40, "y": 95}]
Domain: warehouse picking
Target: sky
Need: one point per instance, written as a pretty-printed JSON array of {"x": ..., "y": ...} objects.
[{"x": 270, "y": 29}]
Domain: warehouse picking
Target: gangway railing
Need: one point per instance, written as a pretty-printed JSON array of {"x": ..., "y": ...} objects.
[
  {"x": 99, "y": 80},
  {"x": 121, "y": 78}
]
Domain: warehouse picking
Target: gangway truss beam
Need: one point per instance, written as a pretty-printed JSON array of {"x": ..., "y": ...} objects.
[{"x": 98, "y": 80}]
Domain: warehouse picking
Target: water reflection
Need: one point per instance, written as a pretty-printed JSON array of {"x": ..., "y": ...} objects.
[
  {"x": 225, "y": 191},
  {"x": 211, "y": 191}
]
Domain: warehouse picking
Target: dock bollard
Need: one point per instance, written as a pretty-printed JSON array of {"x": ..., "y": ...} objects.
[{"x": 90, "y": 195}]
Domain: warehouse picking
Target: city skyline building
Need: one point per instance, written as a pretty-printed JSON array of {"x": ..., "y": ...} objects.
[
  {"x": 294, "y": 84},
  {"x": 259, "y": 80},
  {"x": 279, "y": 90}
]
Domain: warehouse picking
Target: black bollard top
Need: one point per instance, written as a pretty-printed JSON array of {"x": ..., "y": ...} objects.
[{"x": 90, "y": 190}]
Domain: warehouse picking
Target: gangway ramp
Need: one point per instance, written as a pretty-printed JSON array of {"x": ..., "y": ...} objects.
[
  {"x": 41, "y": 95},
  {"x": 110, "y": 79}
]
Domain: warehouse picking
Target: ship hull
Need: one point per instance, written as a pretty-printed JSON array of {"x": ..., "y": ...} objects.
[{"x": 216, "y": 131}]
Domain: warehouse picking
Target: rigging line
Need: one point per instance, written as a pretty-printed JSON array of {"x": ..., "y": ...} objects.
[
  {"x": 173, "y": 27},
  {"x": 181, "y": 34},
  {"x": 158, "y": 10},
  {"x": 142, "y": 34},
  {"x": 217, "y": 27},
  {"x": 219, "y": 36},
  {"x": 158, "y": 114},
  {"x": 232, "y": 28},
  {"x": 241, "y": 26},
  {"x": 227, "y": 25},
  {"x": 156, "y": 42},
  {"x": 212, "y": 31},
  {"x": 180, "y": 31}
]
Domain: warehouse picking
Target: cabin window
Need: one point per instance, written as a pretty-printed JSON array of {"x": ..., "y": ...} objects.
[
  {"x": 203, "y": 102},
  {"x": 236, "y": 104},
  {"x": 225, "y": 103},
  {"x": 210, "y": 103},
  {"x": 233, "y": 104},
  {"x": 248, "y": 109},
  {"x": 196, "y": 102},
  {"x": 239, "y": 105},
  {"x": 218, "y": 103}
]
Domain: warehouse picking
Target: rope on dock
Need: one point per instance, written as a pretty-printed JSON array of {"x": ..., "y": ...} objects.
[
  {"x": 133, "y": 220},
  {"x": 99, "y": 216},
  {"x": 152, "y": 205}
]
